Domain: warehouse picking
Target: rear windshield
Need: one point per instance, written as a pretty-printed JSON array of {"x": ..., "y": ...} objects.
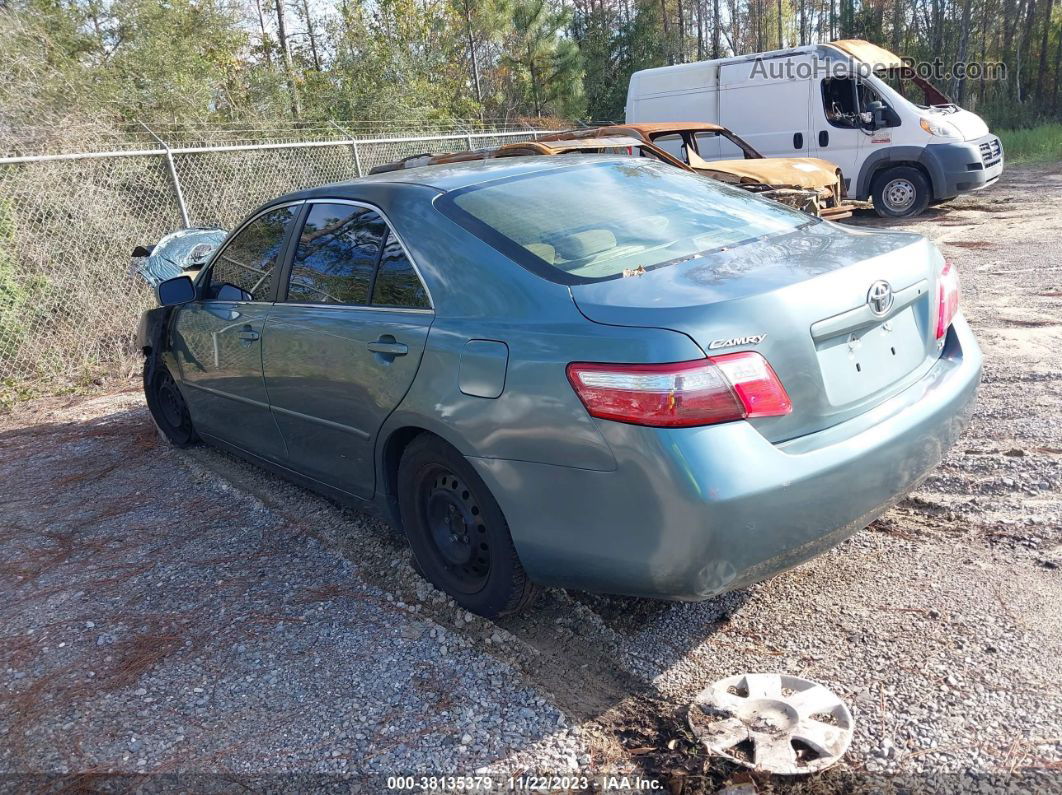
[{"x": 605, "y": 220}]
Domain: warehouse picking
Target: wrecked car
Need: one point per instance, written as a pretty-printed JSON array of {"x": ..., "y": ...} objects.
[
  {"x": 810, "y": 184},
  {"x": 612, "y": 144},
  {"x": 541, "y": 389}
]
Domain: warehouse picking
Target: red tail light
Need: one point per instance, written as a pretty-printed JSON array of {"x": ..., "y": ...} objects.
[
  {"x": 681, "y": 394},
  {"x": 947, "y": 298}
]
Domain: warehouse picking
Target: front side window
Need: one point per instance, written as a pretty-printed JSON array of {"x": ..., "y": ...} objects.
[
  {"x": 244, "y": 269},
  {"x": 336, "y": 255},
  {"x": 397, "y": 283},
  {"x": 839, "y": 101},
  {"x": 643, "y": 214}
]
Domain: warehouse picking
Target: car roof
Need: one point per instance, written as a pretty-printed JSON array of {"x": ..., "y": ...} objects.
[
  {"x": 452, "y": 176},
  {"x": 646, "y": 129}
]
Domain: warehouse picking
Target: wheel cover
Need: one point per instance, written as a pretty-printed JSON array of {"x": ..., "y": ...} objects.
[
  {"x": 772, "y": 722},
  {"x": 899, "y": 194},
  {"x": 456, "y": 529}
]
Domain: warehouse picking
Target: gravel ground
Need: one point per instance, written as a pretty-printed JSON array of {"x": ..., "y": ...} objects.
[{"x": 173, "y": 611}]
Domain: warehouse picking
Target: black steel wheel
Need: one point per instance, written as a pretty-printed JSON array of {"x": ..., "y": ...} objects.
[
  {"x": 456, "y": 529},
  {"x": 457, "y": 532},
  {"x": 167, "y": 406}
]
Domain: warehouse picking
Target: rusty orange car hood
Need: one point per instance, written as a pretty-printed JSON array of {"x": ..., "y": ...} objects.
[{"x": 803, "y": 172}]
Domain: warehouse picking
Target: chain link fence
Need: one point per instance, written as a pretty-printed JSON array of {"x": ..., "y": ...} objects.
[{"x": 68, "y": 223}]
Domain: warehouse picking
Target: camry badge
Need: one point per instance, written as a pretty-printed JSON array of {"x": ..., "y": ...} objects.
[
  {"x": 730, "y": 342},
  {"x": 879, "y": 297}
]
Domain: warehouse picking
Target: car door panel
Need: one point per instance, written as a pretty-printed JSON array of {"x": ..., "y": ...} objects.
[
  {"x": 217, "y": 342},
  {"x": 222, "y": 372},
  {"x": 335, "y": 366},
  {"x": 330, "y": 392}
]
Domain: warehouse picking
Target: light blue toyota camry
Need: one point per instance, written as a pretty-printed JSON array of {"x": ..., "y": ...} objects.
[{"x": 595, "y": 372}]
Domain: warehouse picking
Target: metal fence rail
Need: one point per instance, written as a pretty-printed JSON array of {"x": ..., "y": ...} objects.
[{"x": 68, "y": 222}]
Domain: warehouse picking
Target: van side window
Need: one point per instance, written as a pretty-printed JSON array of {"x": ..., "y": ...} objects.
[
  {"x": 336, "y": 255},
  {"x": 243, "y": 270},
  {"x": 839, "y": 101}
]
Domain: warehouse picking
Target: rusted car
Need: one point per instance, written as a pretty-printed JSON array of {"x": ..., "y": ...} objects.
[
  {"x": 810, "y": 184},
  {"x": 611, "y": 144}
]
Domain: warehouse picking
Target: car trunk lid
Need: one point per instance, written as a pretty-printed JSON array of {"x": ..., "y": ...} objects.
[{"x": 801, "y": 300}]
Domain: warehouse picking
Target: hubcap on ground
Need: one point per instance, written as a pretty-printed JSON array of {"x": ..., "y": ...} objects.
[
  {"x": 899, "y": 194},
  {"x": 455, "y": 524},
  {"x": 772, "y": 722}
]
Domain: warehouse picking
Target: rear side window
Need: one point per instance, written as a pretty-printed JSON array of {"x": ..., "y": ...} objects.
[
  {"x": 336, "y": 255},
  {"x": 397, "y": 283},
  {"x": 244, "y": 270}
]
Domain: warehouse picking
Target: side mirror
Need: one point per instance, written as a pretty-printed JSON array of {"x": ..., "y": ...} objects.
[
  {"x": 178, "y": 290},
  {"x": 877, "y": 114},
  {"x": 230, "y": 292}
]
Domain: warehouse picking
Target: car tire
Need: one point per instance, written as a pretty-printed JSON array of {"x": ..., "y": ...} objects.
[
  {"x": 458, "y": 534},
  {"x": 167, "y": 406},
  {"x": 900, "y": 192}
]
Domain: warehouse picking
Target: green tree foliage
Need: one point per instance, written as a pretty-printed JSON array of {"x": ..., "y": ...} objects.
[
  {"x": 201, "y": 61},
  {"x": 545, "y": 68}
]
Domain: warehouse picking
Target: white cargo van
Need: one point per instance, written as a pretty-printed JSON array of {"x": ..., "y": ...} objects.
[{"x": 846, "y": 102}]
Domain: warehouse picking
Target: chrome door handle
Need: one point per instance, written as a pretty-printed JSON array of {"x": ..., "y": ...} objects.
[
  {"x": 389, "y": 348},
  {"x": 248, "y": 336}
]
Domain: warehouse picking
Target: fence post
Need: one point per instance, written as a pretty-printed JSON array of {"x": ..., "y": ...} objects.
[
  {"x": 353, "y": 147},
  {"x": 173, "y": 176}
]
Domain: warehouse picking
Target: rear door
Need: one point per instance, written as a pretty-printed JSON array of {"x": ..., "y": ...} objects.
[
  {"x": 217, "y": 338},
  {"x": 767, "y": 103},
  {"x": 344, "y": 342}
]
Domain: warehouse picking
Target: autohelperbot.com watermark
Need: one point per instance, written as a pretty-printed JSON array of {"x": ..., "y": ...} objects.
[{"x": 815, "y": 67}]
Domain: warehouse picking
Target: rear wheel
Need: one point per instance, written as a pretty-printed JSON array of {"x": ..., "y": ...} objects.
[
  {"x": 167, "y": 406},
  {"x": 900, "y": 192},
  {"x": 458, "y": 534}
]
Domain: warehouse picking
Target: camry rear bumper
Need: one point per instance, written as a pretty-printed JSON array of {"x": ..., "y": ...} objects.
[{"x": 690, "y": 513}]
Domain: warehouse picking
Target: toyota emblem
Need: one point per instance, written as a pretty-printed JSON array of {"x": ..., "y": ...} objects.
[{"x": 880, "y": 297}]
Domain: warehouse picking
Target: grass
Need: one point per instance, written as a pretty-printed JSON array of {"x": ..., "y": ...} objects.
[{"x": 1040, "y": 144}]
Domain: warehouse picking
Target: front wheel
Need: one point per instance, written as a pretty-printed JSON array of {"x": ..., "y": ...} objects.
[
  {"x": 459, "y": 537},
  {"x": 901, "y": 192},
  {"x": 167, "y": 406}
]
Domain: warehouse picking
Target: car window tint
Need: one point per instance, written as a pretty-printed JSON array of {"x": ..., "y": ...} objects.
[
  {"x": 246, "y": 265},
  {"x": 397, "y": 283},
  {"x": 336, "y": 255}
]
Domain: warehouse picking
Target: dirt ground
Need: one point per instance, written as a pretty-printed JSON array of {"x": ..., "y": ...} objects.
[{"x": 167, "y": 611}]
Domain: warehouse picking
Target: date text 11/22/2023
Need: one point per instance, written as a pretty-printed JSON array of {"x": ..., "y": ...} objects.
[{"x": 513, "y": 784}]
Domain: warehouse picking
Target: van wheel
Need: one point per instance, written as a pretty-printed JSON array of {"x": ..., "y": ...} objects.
[
  {"x": 167, "y": 406},
  {"x": 459, "y": 537},
  {"x": 901, "y": 192}
]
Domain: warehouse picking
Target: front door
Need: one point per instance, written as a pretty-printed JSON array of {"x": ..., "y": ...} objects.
[
  {"x": 217, "y": 339},
  {"x": 342, "y": 347},
  {"x": 839, "y": 131}
]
